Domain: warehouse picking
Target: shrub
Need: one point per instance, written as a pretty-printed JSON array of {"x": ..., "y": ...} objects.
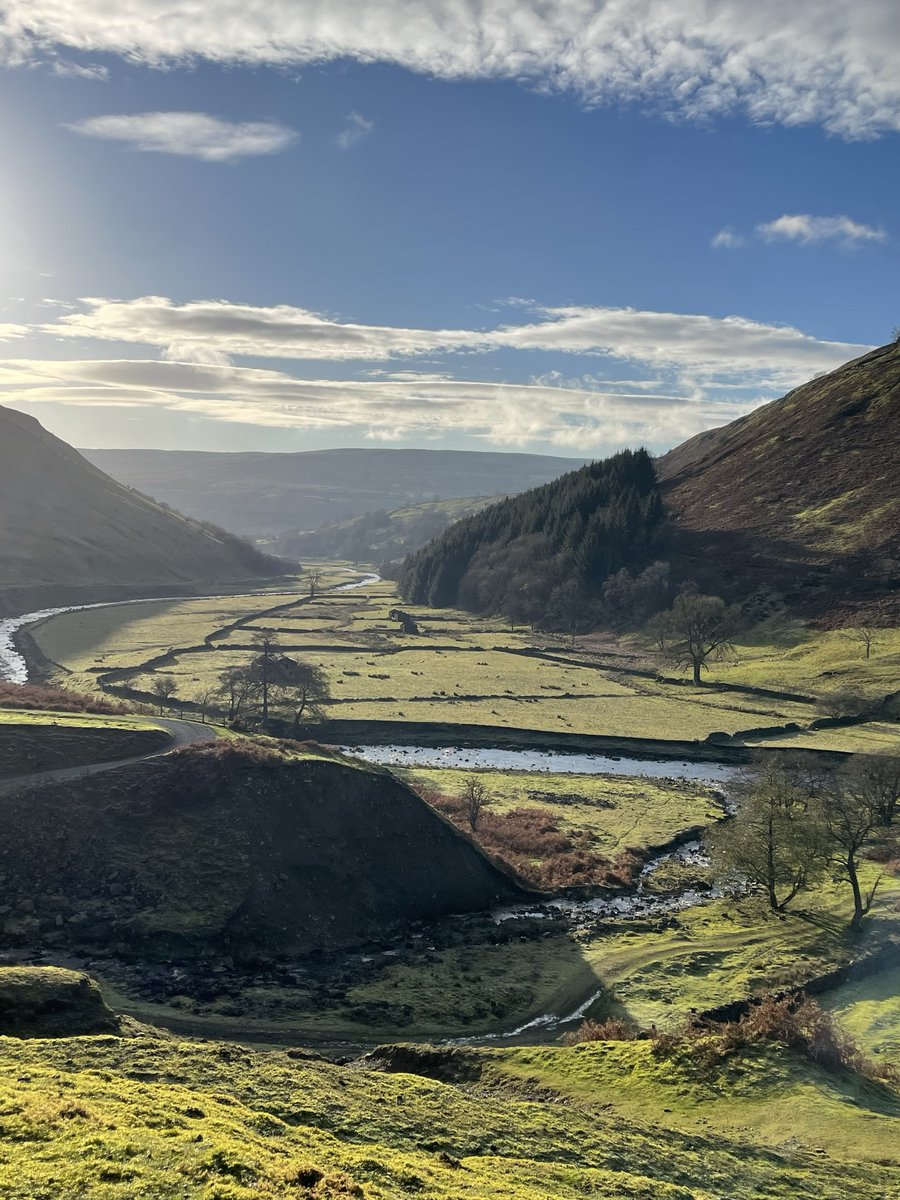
[
  {"x": 35, "y": 696},
  {"x": 611, "y": 1030},
  {"x": 529, "y": 842}
]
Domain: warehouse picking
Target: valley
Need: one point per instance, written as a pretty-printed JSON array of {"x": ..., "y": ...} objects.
[
  {"x": 308, "y": 823},
  {"x": 390, "y": 690}
]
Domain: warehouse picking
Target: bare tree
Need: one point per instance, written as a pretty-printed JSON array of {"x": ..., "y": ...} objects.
[
  {"x": 313, "y": 580},
  {"x": 203, "y": 700},
  {"x": 239, "y": 688},
  {"x": 865, "y": 636},
  {"x": 877, "y": 777},
  {"x": 851, "y": 816},
  {"x": 701, "y": 628},
  {"x": 163, "y": 689},
  {"x": 476, "y": 799},
  {"x": 265, "y": 643},
  {"x": 303, "y": 686},
  {"x": 775, "y": 839}
]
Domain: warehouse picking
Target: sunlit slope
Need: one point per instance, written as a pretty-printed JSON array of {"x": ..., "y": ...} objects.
[
  {"x": 104, "y": 1117},
  {"x": 68, "y": 530},
  {"x": 806, "y": 486}
]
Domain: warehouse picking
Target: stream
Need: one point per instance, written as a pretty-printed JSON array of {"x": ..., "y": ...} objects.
[
  {"x": 637, "y": 904},
  {"x": 549, "y": 761}
]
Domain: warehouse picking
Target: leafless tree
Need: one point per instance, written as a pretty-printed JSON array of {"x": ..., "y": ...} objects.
[
  {"x": 239, "y": 688},
  {"x": 865, "y": 636},
  {"x": 701, "y": 629},
  {"x": 476, "y": 799}
]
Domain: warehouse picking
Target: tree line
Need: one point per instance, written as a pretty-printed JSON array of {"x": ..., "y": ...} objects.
[{"x": 545, "y": 555}]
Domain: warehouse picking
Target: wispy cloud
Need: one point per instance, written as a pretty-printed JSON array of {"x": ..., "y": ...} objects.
[
  {"x": 190, "y": 134},
  {"x": 383, "y": 409},
  {"x": 215, "y": 330},
  {"x": 689, "y": 371},
  {"x": 356, "y": 129},
  {"x": 825, "y": 62},
  {"x": 727, "y": 239},
  {"x": 72, "y": 70},
  {"x": 801, "y": 227}
]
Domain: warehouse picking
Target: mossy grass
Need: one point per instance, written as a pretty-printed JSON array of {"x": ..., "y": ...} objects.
[
  {"x": 106, "y": 1117},
  {"x": 617, "y": 811}
]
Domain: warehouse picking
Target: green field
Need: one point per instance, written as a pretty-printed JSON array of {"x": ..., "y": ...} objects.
[
  {"x": 793, "y": 657},
  {"x": 459, "y": 670},
  {"x": 617, "y": 811},
  {"x": 107, "y": 1118},
  {"x": 869, "y": 1008}
]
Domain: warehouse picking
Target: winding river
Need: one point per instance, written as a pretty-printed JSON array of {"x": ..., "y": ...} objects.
[{"x": 14, "y": 668}]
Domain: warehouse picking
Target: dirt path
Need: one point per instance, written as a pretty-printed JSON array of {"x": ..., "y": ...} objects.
[{"x": 182, "y": 733}]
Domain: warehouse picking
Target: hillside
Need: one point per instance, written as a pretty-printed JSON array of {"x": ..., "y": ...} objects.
[
  {"x": 234, "y": 849},
  {"x": 803, "y": 493},
  {"x": 262, "y": 493},
  {"x": 139, "y": 1115},
  {"x": 549, "y": 550},
  {"x": 70, "y": 534},
  {"x": 380, "y": 536}
]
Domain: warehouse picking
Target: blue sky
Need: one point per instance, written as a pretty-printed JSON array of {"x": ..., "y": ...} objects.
[{"x": 544, "y": 233}]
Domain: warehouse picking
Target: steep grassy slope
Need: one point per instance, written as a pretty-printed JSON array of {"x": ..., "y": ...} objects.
[
  {"x": 380, "y": 536},
  {"x": 803, "y": 493},
  {"x": 233, "y": 849},
  {"x": 69, "y": 533},
  {"x": 272, "y": 493},
  {"x": 107, "y": 1118}
]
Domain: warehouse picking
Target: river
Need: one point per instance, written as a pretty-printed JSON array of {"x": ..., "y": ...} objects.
[
  {"x": 545, "y": 761},
  {"x": 14, "y": 668}
]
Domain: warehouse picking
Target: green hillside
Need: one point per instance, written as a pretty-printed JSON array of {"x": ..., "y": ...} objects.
[
  {"x": 70, "y": 534},
  {"x": 110, "y": 1117},
  {"x": 802, "y": 494}
]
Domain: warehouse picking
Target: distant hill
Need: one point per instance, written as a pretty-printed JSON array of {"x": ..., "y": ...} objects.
[
  {"x": 260, "y": 493},
  {"x": 803, "y": 494},
  {"x": 382, "y": 536},
  {"x": 547, "y": 551},
  {"x": 69, "y": 534}
]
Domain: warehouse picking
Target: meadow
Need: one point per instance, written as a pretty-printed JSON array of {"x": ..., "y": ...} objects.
[{"x": 458, "y": 670}]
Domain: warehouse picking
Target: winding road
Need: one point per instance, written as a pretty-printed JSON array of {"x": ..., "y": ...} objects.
[{"x": 182, "y": 733}]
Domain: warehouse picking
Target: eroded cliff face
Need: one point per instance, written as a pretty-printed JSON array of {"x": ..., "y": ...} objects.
[{"x": 206, "y": 851}]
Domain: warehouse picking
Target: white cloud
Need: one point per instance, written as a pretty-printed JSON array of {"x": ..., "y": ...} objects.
[
  {"x": 726, "y": 239},
  {"x": 73, "y": 70},
  {"x": 826, "y": 62},
  {"x": 806, "y": 229},
  {"x": 191, "y": 134},
  {"x": 729, "y": 347},
  {"x": 386, "y": 409},
  {"x": 691, "y": 371},
  {"x": 357, "y": 128}
]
